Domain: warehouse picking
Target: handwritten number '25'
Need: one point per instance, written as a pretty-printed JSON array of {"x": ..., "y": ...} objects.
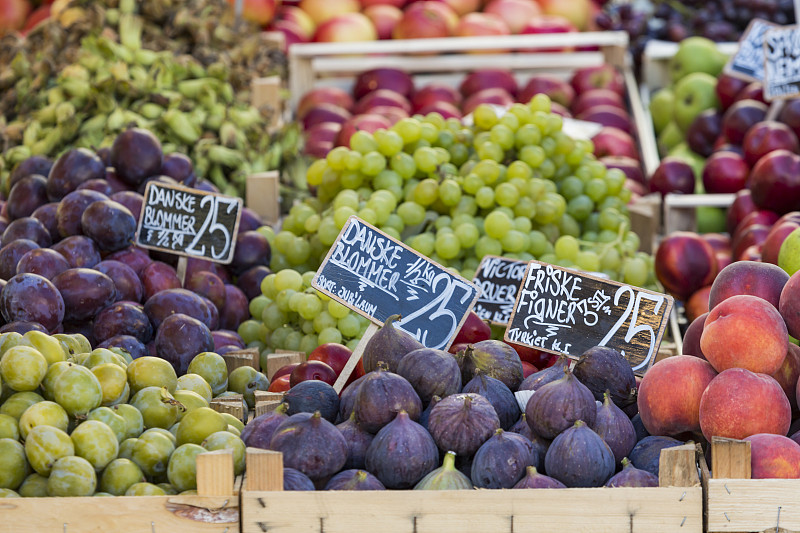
[
  {"x": 211, "y": 224},
  {"x": 633, "y": 329},
  {"x": 440, "y": 302}
]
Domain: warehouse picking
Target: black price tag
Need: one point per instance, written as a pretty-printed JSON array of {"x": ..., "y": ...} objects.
[
  {"x": 559, "y": 310},
  {"x": 189, "y": 222},
  {"x": 378, "y": 276},
  {"x": 499, "y": 279},
  {"x": 748, "y": 61},
  {"x": 782, "y": 65}
]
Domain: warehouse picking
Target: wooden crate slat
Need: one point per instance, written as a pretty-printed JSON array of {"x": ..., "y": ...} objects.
[
  {"x": 215, "y": 473},
  {"x": 744, "y": 505}
]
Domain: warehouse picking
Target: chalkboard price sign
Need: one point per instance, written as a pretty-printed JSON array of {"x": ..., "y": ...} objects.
[
  {"x": 499, "y": 279},
  {"x": 782, "y": 67},
  {"x": 378, "y": 276},
  {"x": 189, "y": 222},
  {"x": 748, "y": 61},
  {"x": 563, "y": 311}
]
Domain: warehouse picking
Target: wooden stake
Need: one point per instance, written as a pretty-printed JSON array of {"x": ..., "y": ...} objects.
[
  {"x": 215, "y": 473},
  {"x": 678, "y": 467},
  {"x": 264, "y": 469},
  {"x": 730, "y": 458},
  {"x": 355, "y": 357},
  {"x": 263, "y": 195},
  {"x": 263, "y": 408},
  {"x": 181, "y": 270}
]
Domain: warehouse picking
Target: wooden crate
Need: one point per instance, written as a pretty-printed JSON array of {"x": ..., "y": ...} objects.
[
  {"x": 737, "y": 503},
  {"x": 676, "y": 506},
  {"x": 680, "y": 210},
  {"x": 448, "y": 60},
  {"x": 214, "y": 510}
]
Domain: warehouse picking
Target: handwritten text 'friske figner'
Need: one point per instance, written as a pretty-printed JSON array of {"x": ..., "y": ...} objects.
[
  {"x": 498, "y": 279},
  {"x": 550, "y": 301}
]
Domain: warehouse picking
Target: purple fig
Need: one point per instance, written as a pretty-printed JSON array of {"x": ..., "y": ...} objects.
[
  {"x": 500, "y": 396},
  {"x": 539, "y": 379},
  {"x": 462, "y": 423},
  {"x": 310, "y": 444},
  {"x": 578, "y": 457},
  {"x": 557, "y": 405},
  {"x": 381, "y": 396},
  {"x": 501, "y": 461},
  {"x": 604, "y": 369},
  {"x": 402, "y": 453},
  {"x": 615, "y": 428},
  {"x": 493, "y": 358},
  {"x": 296, "y": 480},
  {"x": 630, "y": 476},
  {"x": 446, "y": 477},
  {"x": 258, "y": 432},
  {"x": 389, "y": 345},
  {"x": 534, "y": 480},
  {"x": 431, "y": 372},
  {"x": 354, "y": 479},
  {"x": 357, "y": 440}
]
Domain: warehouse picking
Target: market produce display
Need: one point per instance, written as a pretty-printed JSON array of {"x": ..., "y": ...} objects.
[{"x": 81, "y": 422}]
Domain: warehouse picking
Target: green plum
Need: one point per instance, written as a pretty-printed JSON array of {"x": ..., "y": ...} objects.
[
  {"x": 47, "y": 345},
  {"x": 126, "y": 448},
  {"x": 162, "y": 431},
  {"x": 34, "y": 486},
  {"x": 213, "y": 369},
  {"x": 234, "y": 430},
  {"x": 8, "y": 493},
  {"x": 100, "y": 356},
  {"x": 112, "y": 419},
  {"x": 233, "y": 421},
  {"x": 8, "y": 341},
  {"x": 53, "y": 373},
  {"x": 18, "y": 403},
  {"x": 145, "y": 489},
  {"x": 182, "y": 470},
  {"x": 151, "y": 371},
  {"x": 134, "y": 423},
  {"x": 23, "y": 368},
  {"x": 199, "y": 424},
  {"x": 119, "y": 475},
  {"x": 77, "y": 390},
  {"x": 9, "y": 427},
  {"x": 158, "y": 407},
  {"x": 152, "y": 452},
  {"x": 190, "y": 401},
  {"x": 195, "y": 383},
  {"x": 95, "y": 442},
  {"x": 168, "y": 488},
  {"x": 113, "y": 380},
  {"x": 46, "y": 444},
  {"x": 71, "y": 476},
  {"x": 13, "y": 466},
  {"x": 223, "y": 440},
  {"x": 43, "y": 414}
]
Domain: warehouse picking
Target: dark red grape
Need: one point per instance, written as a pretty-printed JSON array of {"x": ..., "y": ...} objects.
[
  {"x": 157, "y": 277},
  {"x": 85, "y": 292},
  {"x": 130, "y": 344},
  {"x": 179, "y": 167},
  {"x": 11, "y": 254},
  {"x": 27, "y": 228},
  {"x": 250, "y": 220},
  {"x": 22, "y": 327},
  {"x": 129, "y": 286},
  {"x": 37, "y": 164},
  {"x": 32, "y": 298},
  {"x": 226, "y": 337},
  {"x": 237, "y": 308},
  {"x": 46, "y": 214},
  {"x": 252, "y": 249},
  {"x": 122, "y": 318},
  {"x": 180, "y": 338},
  {"x": 110, "y": 224},
  {"x": 71, "y": 208},
  {"x": 250, "y": 281},
  {"x": 102, "y": 186},
  {"x": 79, "y": 250},
  {"x": 26, "y": 196},
  {"x": 173, "y": 301},
  {"x": 71, "y": 169},
  {"x": 43, "y": 261},
  {"x": 136, "y": 155},
  {"x": 132, "y": 200},
  {"x": 209, "y": 285},
  {"x": 133, "y": 256}
]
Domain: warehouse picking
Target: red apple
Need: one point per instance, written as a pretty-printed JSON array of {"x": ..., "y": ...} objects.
[
  {"x": 382, "y": 98},
  {"x": 546, "y": 24},
  {"x": 292, "y": 33},
  {"x": 684, "y": 263},
  {"x": 558, "y": 109},
  {"x": 764, "y": 137},
  {"x": 393, "y": 79},
  {"x": 473, "y": 330},
  {"x": 721, "y": 242},
  {"x": 281, "y": 384},
  {"x": 723, "y": 145},
  {"x": 368, "y": 122},
  {"x": 299, "y": 17},
  {"x": 322, "y": 10},
  {"x": 446, "y": 109},
  {"x": 637, "y": 189},
  {"x": 460, "y": 347},
  {"x": 321, "y": 138},
  {"x": 704, "y": 131},
  {"x": 336, "y": 356},
  {"x": 608, "y": 115},
  {"x": 595, "y": 98},
  {"x": 603, "y": 76},
  {"x": 285, "y": 370},
  {"x": 515, "y": 13},
  {"x": 528, "y": 369},
  {"x": 614, "y": 141},
  {"x": 393, "y": 114},
  {"x": 481, "y": 24},
  {"x": 432, "y": 93},
  {"x": 384, "y": 17},
  {"x": 13, "y": 14},
  {"x": 673, "y": 175},
  {"x": 775, "y": 182},
  {"x": 554, "y": 87},
  {"x": 727, "y": 88},
  {"x": 739, "y": 117},
  {"x": 742, "y": 206},
  {"x": 325, "y": 112},
  {"x": 462, "y": 7},
  {"x": 628, "y": 165},
  {"x": 790, "y": 114},
  {"x": 394, "y": 3},
  {"x": 765, "y": 217},
  {"x": 320, "y": 95},
  {"x": 349, "y": 27},
  {"x": 425, "y": 20},
  {"x": 259, "y": 11},
  {"x": 753, "y": 235},
  {"x": 577, "y": 12},
  {"x": 496, "y": 96},
  {"x": 312, "y": 370},
  {"x": 752, "y": 91},
  {"x": 725, "y": 172},
  {"x": 488, "y": 79}
]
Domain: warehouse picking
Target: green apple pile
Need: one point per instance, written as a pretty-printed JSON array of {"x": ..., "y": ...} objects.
[
  {"x": 693, "y": 71},
  {"x": 80, "y": 422}
]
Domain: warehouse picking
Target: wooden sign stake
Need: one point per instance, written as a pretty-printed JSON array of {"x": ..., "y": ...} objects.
[
  {"x": 355, "y": 357},
  {"x": 181, "y": 270}
]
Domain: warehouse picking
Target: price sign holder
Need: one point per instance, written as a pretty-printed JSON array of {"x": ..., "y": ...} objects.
[
  {"x": 748, "y": 61},
  {"x": 499, "y": 279},
  {"x": 563, "y": 311},
  {"x": 378, "y": 276},
  {"x": 782, "y": 63},
  {"x": 189, "y": 223}
]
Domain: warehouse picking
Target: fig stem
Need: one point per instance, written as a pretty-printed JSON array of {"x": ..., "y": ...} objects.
[{"x": 449, "y": 462}]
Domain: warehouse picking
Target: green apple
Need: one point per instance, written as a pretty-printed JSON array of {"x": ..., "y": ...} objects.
[
  {"x": 710, "y": 219},
  {"x": 696, "y": 54},
  {"x": 683, "y": 152},
  {"x": 789, "y": 254},
  {"x": 661, "y": 108},
  {"x": 669, "y": 137},
  {"x": 694, "y": 94}
]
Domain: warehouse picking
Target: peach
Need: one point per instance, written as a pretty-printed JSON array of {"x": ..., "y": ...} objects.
[
  {"x": 764, "y": 280},
  {"x": 670, "y": 392},
  {"x": 697, "y": 304},
  {"x": 691, "y": 339},
  {"x": 789, "y": 305},
  {"x": 739, "y": 403},
  {"x": 745, "y": 332},
  {"x": 773, "y": 456},
  {"x": 789, "y": 373}
]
